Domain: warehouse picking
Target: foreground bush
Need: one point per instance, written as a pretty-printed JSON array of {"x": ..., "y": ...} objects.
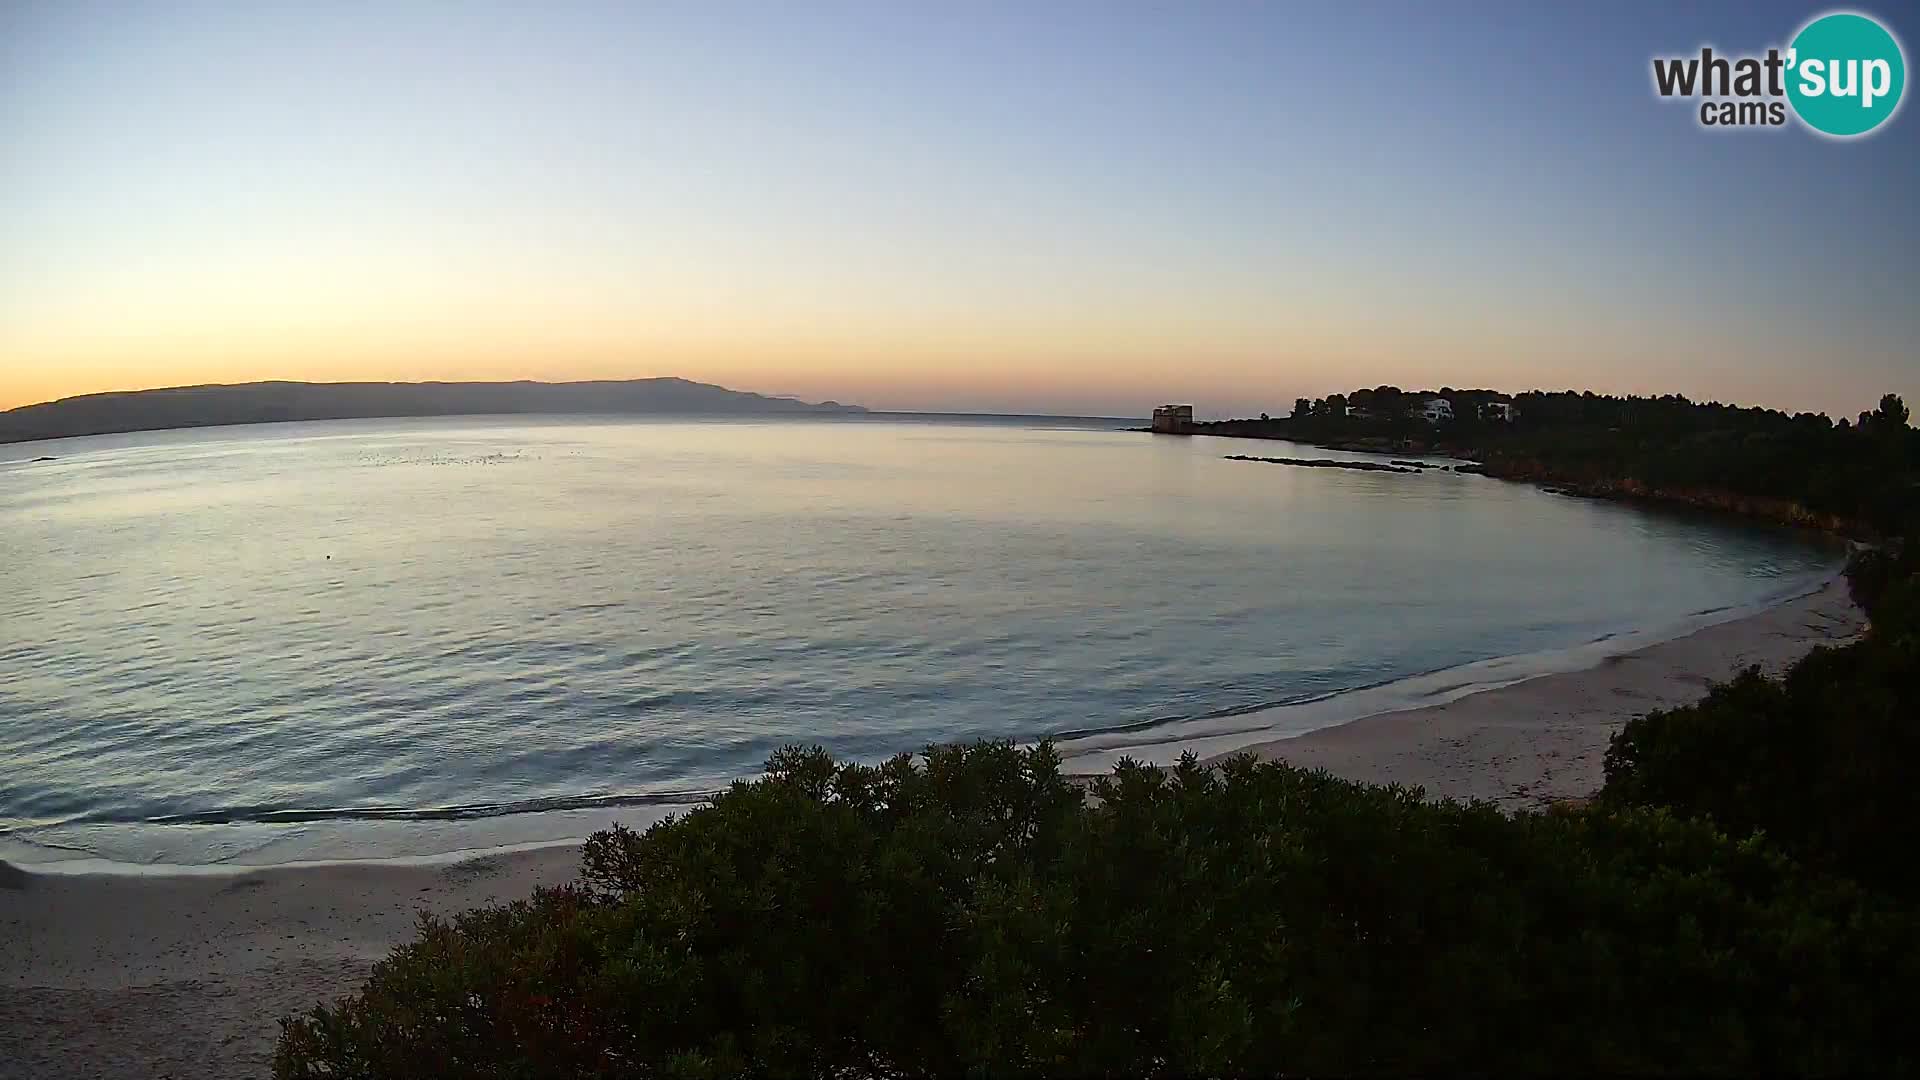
[
  {"x": 1825, "y": 760},
  {"x": 972, "y": 911}
]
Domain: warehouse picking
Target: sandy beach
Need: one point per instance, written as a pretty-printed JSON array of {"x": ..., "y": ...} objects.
[
  {"x": 183, "y": 976},
  {"x": 1544, "y": 739}
]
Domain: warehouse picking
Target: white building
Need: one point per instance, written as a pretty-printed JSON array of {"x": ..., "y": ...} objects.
[
  {"x": 1497, "y": 410},
  {"x": 1433, "y": 410}
]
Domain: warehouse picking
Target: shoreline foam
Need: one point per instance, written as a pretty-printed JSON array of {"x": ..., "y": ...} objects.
[
  {"x": 1214, "y": 735},
  {"x": 420, "y": 840},
  {"x": 1544, "y": 739}
]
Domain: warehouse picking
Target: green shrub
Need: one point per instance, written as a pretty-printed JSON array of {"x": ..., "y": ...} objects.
[
  {"x": 1825, "y": 760},
  {"x": 975, "y": 912},
  {"x": 1885, "y": 582}
]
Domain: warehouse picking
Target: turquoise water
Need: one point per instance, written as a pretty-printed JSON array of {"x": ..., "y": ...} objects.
[{"x": 222, "y": 644}]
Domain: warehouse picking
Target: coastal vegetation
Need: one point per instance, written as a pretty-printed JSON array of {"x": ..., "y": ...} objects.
[
  {"x": 1824, "y": 762},
  {"x": 1859, "y": 476},
  {"x": 1735, "y": 901}
]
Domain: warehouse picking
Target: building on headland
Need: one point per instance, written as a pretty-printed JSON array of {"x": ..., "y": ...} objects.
[
  {"x": 1433, "y": 410},
  {"x": 1502, "y": 411},
  {"x": 1173, "y": 419}
]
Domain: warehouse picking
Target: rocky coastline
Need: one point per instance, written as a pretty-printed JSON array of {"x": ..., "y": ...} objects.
[{"x": 1772, "y": 510}]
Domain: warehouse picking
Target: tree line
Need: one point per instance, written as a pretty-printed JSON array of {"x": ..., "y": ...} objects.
[{"x": 1861, "y": 476}]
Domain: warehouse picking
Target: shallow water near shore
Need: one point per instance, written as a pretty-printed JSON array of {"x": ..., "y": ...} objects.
[{"x": 289, "y": 642}]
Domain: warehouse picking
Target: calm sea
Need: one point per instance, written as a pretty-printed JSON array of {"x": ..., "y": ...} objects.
[{"x": 297, "y": 641}]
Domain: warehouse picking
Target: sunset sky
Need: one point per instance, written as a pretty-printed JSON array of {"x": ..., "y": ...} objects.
[{"x": 1059, "y": 207}]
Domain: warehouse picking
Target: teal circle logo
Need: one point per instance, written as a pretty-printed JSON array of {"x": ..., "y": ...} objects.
[{"x": 1845, "y": 73}]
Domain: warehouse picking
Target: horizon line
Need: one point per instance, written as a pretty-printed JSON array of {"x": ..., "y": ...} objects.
[{"x": 1441, "y": 389}]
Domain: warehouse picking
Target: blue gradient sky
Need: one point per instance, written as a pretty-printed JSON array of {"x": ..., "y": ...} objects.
[{"x": 1061, "y": 207}]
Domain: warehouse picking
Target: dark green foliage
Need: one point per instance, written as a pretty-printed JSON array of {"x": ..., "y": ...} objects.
[
  {"x": 973, "y": 912},
  {"x": 1799, "y": 468},
  {"x": 1865, "y": 477},
  {"x": 1825, "y": 761},
  {"x": 1885, "y": 581}
]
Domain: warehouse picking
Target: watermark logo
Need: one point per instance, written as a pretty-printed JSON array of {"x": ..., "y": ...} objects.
[
  {"x": 1843, "y": 75},
  {"x": 1849, "y": 74}
]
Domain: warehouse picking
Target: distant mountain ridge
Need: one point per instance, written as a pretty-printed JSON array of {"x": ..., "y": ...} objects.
[{"x": 275, "y": 402}]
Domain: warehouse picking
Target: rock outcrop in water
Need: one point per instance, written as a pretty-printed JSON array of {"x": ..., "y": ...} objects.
[{"x": 1325, "y": 463}]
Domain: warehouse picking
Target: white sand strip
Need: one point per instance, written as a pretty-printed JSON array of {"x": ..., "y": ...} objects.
[{"x": 1544, "y": 739}]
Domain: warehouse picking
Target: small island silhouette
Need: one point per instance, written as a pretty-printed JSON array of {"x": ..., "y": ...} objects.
[{"x": 277, "y": 402}]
